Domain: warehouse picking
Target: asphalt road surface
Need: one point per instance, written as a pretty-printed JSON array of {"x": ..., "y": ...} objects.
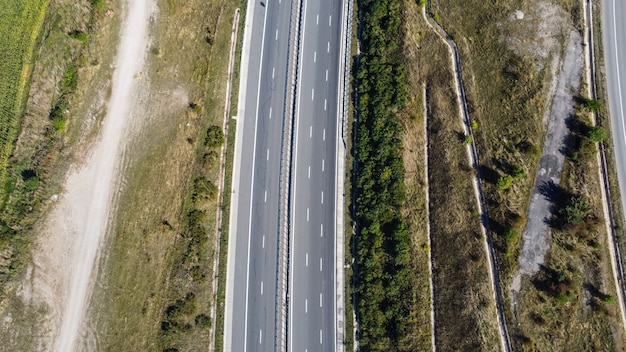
[
  {"x": 254, "y": 292},
  {"x": 312, "y": 311},
  {"x": 614, "y": 35},
  {"x": 251, "y": 296}
]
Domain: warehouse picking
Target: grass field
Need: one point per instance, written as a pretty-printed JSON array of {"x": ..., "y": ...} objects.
[
  {"x": 159, "y": 272},
  {"x": 465, "y": 317},
  {"x": 20, "y": 25},
  {"x": 581, "y": 314},
  {"x": 508, "y": 66}
]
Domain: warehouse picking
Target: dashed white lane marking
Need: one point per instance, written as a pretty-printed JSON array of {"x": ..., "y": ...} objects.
[
  {"x": 306, "y": 305},
  {"x": 322, "y": 197},
  {"x": 330, "y": 20},
  {"x": 317, "y": 20},
  {"x": 273, "y": 72},
  {"x": 326, "y": 75},
  {"x": 261, "y": 336},
  {"x": 322, "y": 164},
  {"x": 324, "y": 135},
  {"x": 307, "y": 214},
  {"x": 320, "y": 299},
  {"x": 306, "y": 259},
  {"x": 320, "y": 264},
  {"x": 324, "y": 104},
  {"x": 268, "y": 155},
  {"x": 314, "y": 56},
  {"x": 261, "y": 287},
  {"x": 265, "y": 196},
  {"x": 328, "y": 47},
  {"x": 263, "y": 244},
  {"x": 309, "y": 172},
  {"x": 311, "y": 132},
  {"x": 321, "y": 230},
  {"x": 312, "y": 93},
  {"x": 277, "y": 34},
  {"x": 270, "y": 112},
  {"x": 320, "y": 336}
]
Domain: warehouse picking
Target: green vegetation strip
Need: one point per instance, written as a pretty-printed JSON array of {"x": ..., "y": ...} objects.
[
  {"x": 20, "y": 23},
  {"x": 383, "y": 246}
]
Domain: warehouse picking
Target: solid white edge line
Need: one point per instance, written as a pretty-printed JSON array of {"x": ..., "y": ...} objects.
[{"x": 234, "y": 196}]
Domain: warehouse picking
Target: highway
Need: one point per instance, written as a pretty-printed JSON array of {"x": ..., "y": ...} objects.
[
  {"x": 312, "y": 314},
  {"x": 251, "y": 283},
  {"x": 614, "y": 38},
  {"x": 251, "y": 289}
]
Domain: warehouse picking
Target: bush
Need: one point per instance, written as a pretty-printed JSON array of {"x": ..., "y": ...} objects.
[
  {"x": 214, "y": 137},
  {"x": 203, "y": 189},
  {"x": 203, "y": 321},
  {"x": 79, "y": 35},
  {"x": 518, "y": 172},
  {"x": 593, "y": 105},
  {"x": 505, "y": 181},
  {"x": 511, "y": 236},
  {"x": 468, "y": 140},
  {"x": 576, "y": 211},
  {"x": 32, "y": 183},
  {"x": 596, "y": 134}
]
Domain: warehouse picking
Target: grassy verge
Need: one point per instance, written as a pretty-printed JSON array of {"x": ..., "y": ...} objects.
[
  {"x": 414, "y": 209},
  {"x": 156, "y": 286},
  {"x": 223, "y": 260},
  {"x": 570, "y": 304},
  {"x": 44, "y": 63},
  {"x": 20, "y": 23},
  {"x": 604, "y": 120},
  {"x": 465, "y": 317}
]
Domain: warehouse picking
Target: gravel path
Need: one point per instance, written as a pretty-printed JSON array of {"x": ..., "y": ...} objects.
[{"x": 536, "y": 237}]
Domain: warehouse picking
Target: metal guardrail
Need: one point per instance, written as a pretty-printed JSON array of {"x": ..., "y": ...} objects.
[{"x": 284, "y": 213}]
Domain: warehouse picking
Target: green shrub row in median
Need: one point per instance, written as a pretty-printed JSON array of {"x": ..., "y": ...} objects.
[{"x": 383, "y": 277}]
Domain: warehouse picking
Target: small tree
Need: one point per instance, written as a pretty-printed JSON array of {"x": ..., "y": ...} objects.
[
  {"x": 596, "y": 134},
  {"x": 468, "y": 140}
]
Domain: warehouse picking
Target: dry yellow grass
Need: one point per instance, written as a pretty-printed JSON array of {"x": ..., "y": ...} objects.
[
  {"x": 464, "y": 309},
  {"x": 148, "y": 268}
]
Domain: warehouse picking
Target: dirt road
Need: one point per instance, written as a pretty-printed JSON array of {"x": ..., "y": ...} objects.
[{"x": 65, "y": 256}]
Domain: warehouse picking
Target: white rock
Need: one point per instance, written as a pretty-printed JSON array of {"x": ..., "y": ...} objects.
[{"x": 518, "y": 14}]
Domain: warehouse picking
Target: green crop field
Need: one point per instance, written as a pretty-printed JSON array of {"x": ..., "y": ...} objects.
[{"x": 20, "y": 23}]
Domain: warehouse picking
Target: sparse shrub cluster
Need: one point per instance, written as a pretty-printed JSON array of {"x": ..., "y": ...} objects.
[
  {"x": 68, "y": 85},
  {"x": 214, "y": 137},
  {"x": 383, "y": 246}
]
